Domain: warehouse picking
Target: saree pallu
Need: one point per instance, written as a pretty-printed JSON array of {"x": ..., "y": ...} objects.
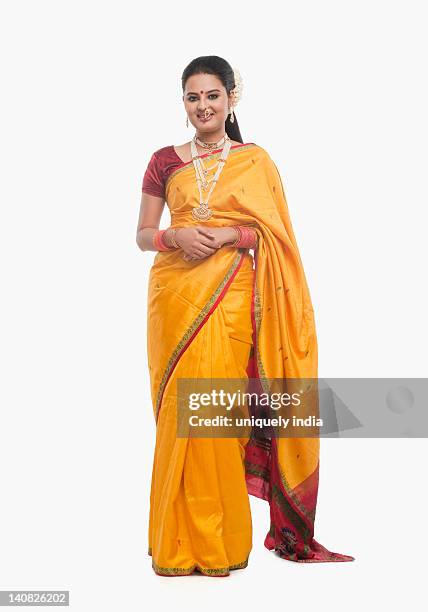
[{"x": 230, "y": 316}]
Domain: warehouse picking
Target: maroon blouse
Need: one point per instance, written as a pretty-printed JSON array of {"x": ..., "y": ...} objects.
[{"x": 162, "y": 163}]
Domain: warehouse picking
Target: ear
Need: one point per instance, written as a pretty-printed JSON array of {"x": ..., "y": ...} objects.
[{"x": 230, "y": 99}]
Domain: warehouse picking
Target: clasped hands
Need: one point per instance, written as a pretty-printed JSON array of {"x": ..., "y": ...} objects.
[{"x": 199, "y": 242}]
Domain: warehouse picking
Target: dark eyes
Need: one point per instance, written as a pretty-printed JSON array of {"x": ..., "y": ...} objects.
[{"x": 193, "y": 98}]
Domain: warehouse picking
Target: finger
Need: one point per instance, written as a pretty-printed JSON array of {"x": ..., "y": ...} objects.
[
  {"x": 202, "y": 253},
  {"x": 206, "y": 250},
  {"x": 206, "y": 232},
  {"x": 208, "y": 243}
]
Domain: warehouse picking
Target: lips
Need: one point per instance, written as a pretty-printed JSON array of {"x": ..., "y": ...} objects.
[{"x": 203, "y": 118}]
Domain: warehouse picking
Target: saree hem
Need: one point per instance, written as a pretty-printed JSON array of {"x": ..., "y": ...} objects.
[
  {"x": 320, "y": 553},
  {"x": 192, "y": 552},
  {"x": 213, "y": 572}
]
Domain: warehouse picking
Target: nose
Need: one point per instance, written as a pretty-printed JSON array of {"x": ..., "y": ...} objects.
[{"x": 202, "y": 105}]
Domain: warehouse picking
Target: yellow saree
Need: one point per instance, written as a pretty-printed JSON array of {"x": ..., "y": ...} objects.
[{"x": 230, "y": 316}]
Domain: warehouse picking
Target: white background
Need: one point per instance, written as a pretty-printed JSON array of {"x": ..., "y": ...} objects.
[{"x": 336, "y": 93}]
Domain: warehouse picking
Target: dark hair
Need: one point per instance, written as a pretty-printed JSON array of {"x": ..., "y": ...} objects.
[{"x": 213, "y": 64}]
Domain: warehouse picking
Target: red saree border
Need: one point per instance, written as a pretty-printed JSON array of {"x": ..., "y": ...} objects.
[
  {"x": 197, "y": 324},
  {"x": 184, "y": 165}
]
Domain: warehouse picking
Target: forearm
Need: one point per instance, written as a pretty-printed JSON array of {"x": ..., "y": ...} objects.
[{"x": 145, "y": 238}]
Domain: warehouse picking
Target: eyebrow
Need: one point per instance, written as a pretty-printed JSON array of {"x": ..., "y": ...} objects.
[{"x": 195, "y": 94}]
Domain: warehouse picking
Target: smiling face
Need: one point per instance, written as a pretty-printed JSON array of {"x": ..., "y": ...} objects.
[{"x": 205, "y": 96}]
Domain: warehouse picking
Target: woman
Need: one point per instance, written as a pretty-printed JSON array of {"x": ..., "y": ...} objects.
[{"x": 214, "y": 311}]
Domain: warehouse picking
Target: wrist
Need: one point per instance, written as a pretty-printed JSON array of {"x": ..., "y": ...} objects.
[
  {"x": 244, "y": 237},
  {"x": 169, "y": 238},
  {"x": 176, "y": 233},
  {"x": 230, "y": 235},
  {"x": 158, "y": 241},
  {"x": 249, "y": 237}
]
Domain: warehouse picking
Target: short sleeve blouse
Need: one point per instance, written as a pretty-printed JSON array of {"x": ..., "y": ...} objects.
[{"x": 161, "y": 164}]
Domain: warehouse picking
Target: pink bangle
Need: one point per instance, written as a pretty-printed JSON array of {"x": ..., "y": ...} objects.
[
  {"x": 158, "y": 243},
  {"x": 247, "y": 239}
]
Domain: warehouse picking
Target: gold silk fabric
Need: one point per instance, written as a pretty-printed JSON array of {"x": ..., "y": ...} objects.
[{"x": 230, "y": 316}]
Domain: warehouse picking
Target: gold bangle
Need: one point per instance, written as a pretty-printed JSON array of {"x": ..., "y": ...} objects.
[
  {"x": 173, "y": 241},
  {"x": 238, "y": 235},
  {"x": 171, "y": 235}
]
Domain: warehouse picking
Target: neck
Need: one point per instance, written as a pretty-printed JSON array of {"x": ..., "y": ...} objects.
[{"x": 210, "y": 136}]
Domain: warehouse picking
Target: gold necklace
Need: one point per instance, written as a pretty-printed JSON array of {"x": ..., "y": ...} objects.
[
  {"x": 203, "y": 169},
  {"x": 203, "y": 212},
  {"x": 210, "y": 145}
]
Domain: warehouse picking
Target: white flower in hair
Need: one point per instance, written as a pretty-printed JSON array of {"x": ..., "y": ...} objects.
[{"x": 239, "y": 85}]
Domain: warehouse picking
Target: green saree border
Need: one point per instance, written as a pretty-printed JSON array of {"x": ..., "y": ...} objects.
[
  {"x": 258, "y": 321},
  {"x": 294, "y": 517},
  {"x": 201, "y": 316},
  {"x": 256, "y": 470},
  {"x": 310, "y": 515},
  {"x": 186, "y": 571}
]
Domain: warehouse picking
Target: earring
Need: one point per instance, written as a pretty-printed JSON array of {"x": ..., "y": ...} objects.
[
  {"x": 232, "y": 118},
  {"x": 187, "y": 120}
]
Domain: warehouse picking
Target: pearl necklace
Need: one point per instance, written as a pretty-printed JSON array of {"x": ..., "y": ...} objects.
[{"x": 202, "y": 213}]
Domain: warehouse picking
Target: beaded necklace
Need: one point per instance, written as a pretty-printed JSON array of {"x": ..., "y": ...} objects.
[{"x": 203, "y": 212}]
